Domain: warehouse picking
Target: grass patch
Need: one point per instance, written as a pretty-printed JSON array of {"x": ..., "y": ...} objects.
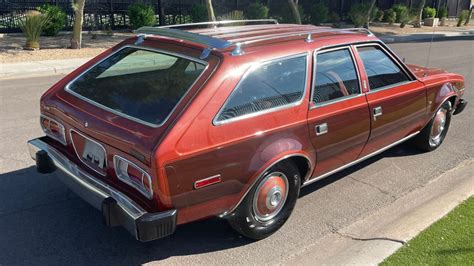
[{"x": 449, "y": 241}]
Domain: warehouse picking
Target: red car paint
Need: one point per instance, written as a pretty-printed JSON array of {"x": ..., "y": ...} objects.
[{"x": 189, "y": 147}]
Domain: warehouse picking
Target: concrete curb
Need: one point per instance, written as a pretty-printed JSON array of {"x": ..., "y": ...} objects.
[
  {"x": 372, "y": 239},
  {"x": 37, "y": 68},
  {"x": 388, "y": 38}
]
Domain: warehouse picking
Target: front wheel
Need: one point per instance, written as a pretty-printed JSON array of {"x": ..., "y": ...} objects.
[
  {"x": 269, "y": 203},
  {"x": 431, "y": 137}
]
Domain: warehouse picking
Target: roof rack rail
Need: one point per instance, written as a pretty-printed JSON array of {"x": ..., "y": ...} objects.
[
  {"x": 223, "y": 23},
  {"x": 309, "y": 37},
  {"x": 208, "y": 41}
]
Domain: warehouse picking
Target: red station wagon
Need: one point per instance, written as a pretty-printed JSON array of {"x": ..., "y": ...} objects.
[{"x": 181, "y": 124}]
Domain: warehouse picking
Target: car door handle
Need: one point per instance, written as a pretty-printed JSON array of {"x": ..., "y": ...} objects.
[
  {"x": 321, "y": 129},
  {"x": 377, "y": 112}
]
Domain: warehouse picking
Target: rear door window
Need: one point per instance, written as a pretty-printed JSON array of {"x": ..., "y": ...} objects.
[
  {"x": 336, "y": 76},
  {"x": 271, "y": 85},
  {"x": 143, "y": 85}
]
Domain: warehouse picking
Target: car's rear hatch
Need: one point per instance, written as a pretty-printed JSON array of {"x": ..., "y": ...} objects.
[{"x": 126, "y": 99}]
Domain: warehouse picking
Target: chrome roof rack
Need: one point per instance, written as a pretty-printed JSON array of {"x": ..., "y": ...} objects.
[
  {"x": 219, "y": 43},
  {"x": 223, "y": 23},
  {"x": 208, "y": 41}
]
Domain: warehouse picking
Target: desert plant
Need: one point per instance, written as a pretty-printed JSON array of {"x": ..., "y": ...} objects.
[
  {"x": 32, "y": 25},
  {"x": 379, "y": 16},
  {"x": 401, "y": 10},
  {"x": 404, "y": 15},
  {"x": 319, "y": 13},
  {"x": 233, "y": 15},
  {"x": 462, "y": 17},
  {"x": 256, "y": 11},
  {"x": 390, "y": 16},
  {"x": 429, "y": 12},
  {"x": 199, "y": 13},
  {"x": 141, "y": 15},
  {"x": 358, "y": 14},
  {"x": 443, "y": 12},
  {"x": 57, "y": 19}
]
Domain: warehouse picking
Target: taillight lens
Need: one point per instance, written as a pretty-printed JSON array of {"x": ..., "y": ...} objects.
[
  {"x": 53, "y": 129},
  {"x": 133, "y": 175}
]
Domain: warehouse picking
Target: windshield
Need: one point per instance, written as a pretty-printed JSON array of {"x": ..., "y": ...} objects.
[{"x": 143, "y": 85}]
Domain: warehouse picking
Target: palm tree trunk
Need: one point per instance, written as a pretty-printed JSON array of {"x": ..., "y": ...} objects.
[
  {"x": 294, "y": 9},
  {"x": 420, "y": 14},
  {"x": 469, "y": 16},
  {"x": 76, "y": 40},
  {"x": 372, "y": 4},
  {"x": 210, "y": 11}
]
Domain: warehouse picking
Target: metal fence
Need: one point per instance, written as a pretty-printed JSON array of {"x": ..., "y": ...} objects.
[{"x": 112, "y": 14}]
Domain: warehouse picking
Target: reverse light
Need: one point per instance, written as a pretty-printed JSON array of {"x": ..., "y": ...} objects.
[
  {"x": 53, "y": 129},
  {"x": 133, "y": 175}
]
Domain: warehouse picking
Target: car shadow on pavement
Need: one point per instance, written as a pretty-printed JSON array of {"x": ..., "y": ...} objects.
[
  {"x": 42, "y": 222},
  {"x": 404, "y": 149}
]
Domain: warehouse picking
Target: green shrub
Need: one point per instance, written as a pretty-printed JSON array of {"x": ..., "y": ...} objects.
[
  {"x": 462, "y": 17},
  {"x": 443, "y": 12},
  {"x": 379, "y": 15},
  {"x": 319, "y": 13},
  {"x": 401, "y": 10},
  {"x": 390, "y": 16},
  {"x": 32, "y": 25},
  {"x": 358, "y": 14},
  {"x": 256, "y": 11},
  {"x": 56, "y": 19},
  {"x": 141, "y": 15},
  {"x": 284, "y": 15},
  {"x": 233, "y": 15},
  {"x": 199, "y": 13},
  {"x": 429, "y": 12}
]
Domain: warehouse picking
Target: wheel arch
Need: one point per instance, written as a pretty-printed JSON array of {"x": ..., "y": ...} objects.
[{"x": 302, "y": 161}]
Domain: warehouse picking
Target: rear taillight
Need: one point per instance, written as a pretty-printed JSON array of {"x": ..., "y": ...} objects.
[
  {"x": 133, "y": 175},
  {"x": 53, "y": 129}
]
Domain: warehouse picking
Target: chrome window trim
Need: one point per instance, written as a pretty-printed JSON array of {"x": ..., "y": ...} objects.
[
  {"x": 390, "y": 86},
  {"x": 63, "y": 129},
  {"x": 80, "y": 157},
  {"x": 196, "y": 60},
  {"x": 131, "y": 184},
  {"x": 215, "y": 120},
  {"x": 388, "y": 53},
  {"x": 340, "y": 99}
]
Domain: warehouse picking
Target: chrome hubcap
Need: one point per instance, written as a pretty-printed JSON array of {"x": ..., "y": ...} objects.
[
  {"x": 270, "y": 196},
  {"x": 438, "y": 126}
]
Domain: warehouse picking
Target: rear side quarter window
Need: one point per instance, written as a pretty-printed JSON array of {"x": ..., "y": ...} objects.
[{"x": 266, "y": 87}]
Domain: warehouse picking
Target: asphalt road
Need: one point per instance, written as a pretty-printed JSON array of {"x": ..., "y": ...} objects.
[{"x": 41, "y": 222}]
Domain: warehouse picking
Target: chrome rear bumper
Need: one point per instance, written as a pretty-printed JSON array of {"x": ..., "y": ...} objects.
[{"x": 116, "y": 207}]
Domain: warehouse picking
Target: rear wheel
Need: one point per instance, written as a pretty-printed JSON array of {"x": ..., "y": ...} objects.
[
  {"x": 269, "y": 203},
  {"x": 431, "y": 137}
]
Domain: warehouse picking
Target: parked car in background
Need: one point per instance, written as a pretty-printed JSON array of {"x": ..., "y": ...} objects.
[{"x": 181, "y": 124}]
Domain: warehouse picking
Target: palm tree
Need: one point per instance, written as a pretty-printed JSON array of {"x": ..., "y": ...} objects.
[
  {"x": 369, "y": 13},
  {"x": 294, "y": 9},
  {"x": 78, "y": 7},
  {"x": 210, "y": 11},
  {"x": 420, "y": 14},
  {"x": 469, "y": 16}
]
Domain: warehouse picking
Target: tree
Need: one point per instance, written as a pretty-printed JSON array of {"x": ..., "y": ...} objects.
[
  {"x": 469, "y": 16},
  {"x": 369, "y": 12},
  {"x": 78, "y": 7},
  {"x": 419, "y": 14},
  {"x": 210, "y": 11},
  {"x": 294, "y": 9}
]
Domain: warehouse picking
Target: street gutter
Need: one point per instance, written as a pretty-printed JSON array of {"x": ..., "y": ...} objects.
[{"x": 374, "y": 238}]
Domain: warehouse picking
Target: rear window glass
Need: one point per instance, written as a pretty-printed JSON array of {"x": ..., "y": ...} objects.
[{"x": 140, "y": 84}]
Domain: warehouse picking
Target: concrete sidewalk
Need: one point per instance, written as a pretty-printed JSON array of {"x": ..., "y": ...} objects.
[
  {"x": 54, "y": 67},
  {"x": 371, "y": 240}
]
